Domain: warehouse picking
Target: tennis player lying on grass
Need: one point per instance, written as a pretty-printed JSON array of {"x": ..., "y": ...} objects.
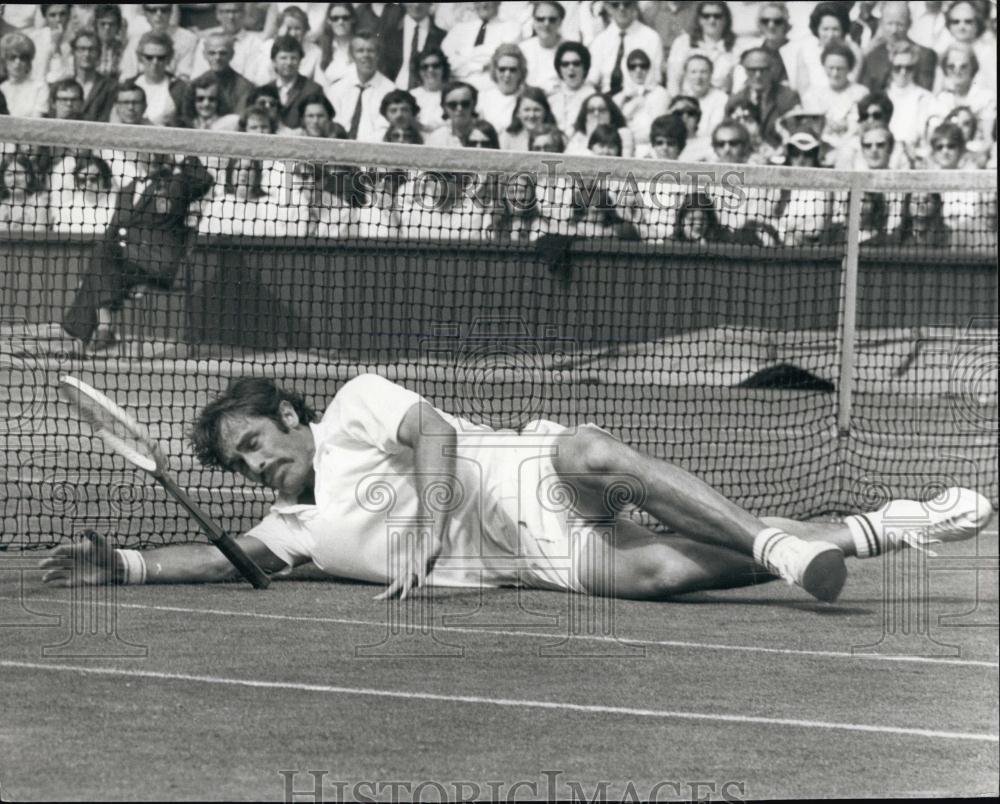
[{"x": 496, "y": 504}]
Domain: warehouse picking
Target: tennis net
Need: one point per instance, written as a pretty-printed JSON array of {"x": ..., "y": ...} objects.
[{"x": 806, "y": 341}]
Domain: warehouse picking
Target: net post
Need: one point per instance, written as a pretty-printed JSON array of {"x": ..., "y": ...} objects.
[{"x": 849, "y": 309}]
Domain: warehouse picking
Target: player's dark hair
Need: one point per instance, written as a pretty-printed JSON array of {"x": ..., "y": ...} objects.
[{"x": 247, "y": 396}]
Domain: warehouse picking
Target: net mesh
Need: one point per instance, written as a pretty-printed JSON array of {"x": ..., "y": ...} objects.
[{"x": 703, "y": 314}]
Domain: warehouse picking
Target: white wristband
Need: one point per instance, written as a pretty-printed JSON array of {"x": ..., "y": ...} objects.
[{"x": 134, "y": 567}]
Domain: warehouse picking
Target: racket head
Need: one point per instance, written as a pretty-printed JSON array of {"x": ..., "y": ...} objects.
[{"x": 116, "y": 428}]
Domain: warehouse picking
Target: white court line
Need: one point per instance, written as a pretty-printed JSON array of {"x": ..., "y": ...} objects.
[
  {"x": 511, "y": 702},
  {"x": 665, "y": 643}
]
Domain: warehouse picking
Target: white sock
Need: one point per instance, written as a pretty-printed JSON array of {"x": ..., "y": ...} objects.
[
  {"x": 866, "y": 530},
  {"x": 765, "y": 543}
]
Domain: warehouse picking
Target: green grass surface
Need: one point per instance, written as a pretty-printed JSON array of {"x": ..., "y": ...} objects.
[{"x": 66, "y": 733}]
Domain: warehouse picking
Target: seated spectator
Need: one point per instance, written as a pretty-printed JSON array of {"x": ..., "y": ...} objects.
[
  {"x": 624, "y": 34},
  {"x": 291, "y": 84},
  {"x": 127, "y": 166},
  {"x": 87, "y": 201},
  {"x": 731, "y": 142},
  {"x": 654, "y": 222},
  {"x": 218, "y": 50},
  {"x": 696, "y": 83},
  {"x": 605, "y": 141},
  {"x": 744, "y": 213},
  {"x": 65, "y": 100},
  {"x": 377, "y": 215},
  {"x": 323, "y": 197},
  {"x": 963, "y": 211},
  {"x": 247, "y": 47},
  {"x": 98, "y": 90},
  {"x": 470, "y": 45},
  {"x": 697, "y": 221},
  {"x": 258, "y": 121},
  {"x": 968, "y": 27},
  {"x": 316, "y": 114},
  {"x": 641, "y": 101},
  {"x": 911, "y": 102},
  {"x": 540, "y": 50},
  {"x": 924, "y": 223},
  {"x": 481, "y": 135},
  {"x": 876, "y": 66},
  {"x": 26, "y": 96},
  {"x": 164, "y": 92},
  {"x": 334, "y": 42},
  {"x": 405, "y": 41},
  {"x": 977, "y": 151},
  {"x": 23, "y": 200},
  {"x": 53, "y": 57},
  {"x": 157, "y": 17},
  {"x": 572, "y": 66},
  {"x": 748, "y": 115},
  {"x": 547, "y": 139},
  {"x": 829, "y": 24},
  {"x": 531, "y": 114},
  {"x": 110, "y": 28},
  {"x": 294, "y": 22},
  {"x": 403, "y": 134},
  {"x": 594, "y": 215},
  {"x": 243, "y": 207},
  {"x": 699, "y": 145},
  {"x": 960, "y": 66},
  {"x": 266, "y": 99},
  {"x": 764, "y": 90},
  {"x": 803, "y": 215},
  {"x": 874, "y": 108},
  {"x": 838, "y": 99},
  {"x": 599, "y": 110},
  {"x": 434, "y": 76},
  {"x": 203, "y": 107},
  {"x": 712, "y": 35},
  {"x": 400, "y": 110},
  {"x": 667, "y": 137},
  {"x": 516, "y": 217},
  {"x": 458, "y": 101},
  {"x": 772, "y": 29},
  {"x": 357, "y": 97},
  {"x": 435, "y": 208},
  {"x": 507, "y": 75}
]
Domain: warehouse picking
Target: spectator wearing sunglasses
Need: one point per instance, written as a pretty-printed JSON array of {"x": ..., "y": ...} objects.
[
  {"x": 875, "y": 109},
  {"x": 458, "y": 101},
  {"x": 481, "y": 134},
  {"x": 164, "y": 92},
  {"x": 599, "y": 110},
  {"x": 403, "y": 43},
  {"x": 967, "y": 26},
  {"x": 641, "y": 101},
  {"x": 98, "y": 90},
  {"x": 248, "y": 56},
  {"x": 764, "y": 90},
  {"x": 772, "y": 35},
  {"x": 610, "y": 48},
  {"x": 435, "y": 73},
  {"x": 876, "y": 67},
  {"x": 217, "y": 50},
  {"x": 803, "y": 215},
  {"x": 666, "y": 139},
  {"x": 711, "y": 34},
  {"x": 967, "y": 214},
  {"x": 157, "y": 17},
  {"x": 699, "y": 141},
  {"x": 470, "y": 45},
  {"x": 748, "y": 115},
  {"x": 334, "y": 40},
  {"x": 911, "y": 101},
  {"x": 572, "y": 63},
  {"x": 540, "y": 49},
  {"x": 26, "y": 96},
  {"x": 508, "y": 71},
  {"x": 960, "y": 66},
  {"x": 829, "y": 24}
]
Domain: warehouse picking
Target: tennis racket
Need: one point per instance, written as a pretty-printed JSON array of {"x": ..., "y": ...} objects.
[{"x": 132, "y": 441}]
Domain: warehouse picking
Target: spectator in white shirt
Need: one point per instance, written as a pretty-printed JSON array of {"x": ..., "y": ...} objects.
[
  {"x": 964, "y": 212},
  {"x": 667, "y": 137},
  {"x": 773, "y": 29},
  {"x": 641, "y": 101},
  {"x": 829, "y": 24},
  {"x": 294, "y": 22},
  {"x": 53, "y": 54},
  {"x": 404, "y": 39},
  {"x": 838, "y": 98},
  {"x": 203, "y": 108},
  {"x": 507, "y": 73},
  {"x": 977, "y": 150},
  {"x": 697, "y": 83},
  {"x": 540, "y": 49},
  {"x": 26, "y": 96},
  {"x": 610, "y": 48},
  {"x": 531, "y": 114},
  {"x": 874, "y": 109},
  {"x": 164, "y": 92},
  {"x": 699, "y": 138},
  {"x": 357, "y": 97},
  {"x": 961, "y": 66},
  {"x": 157, "y": 17},
  {"x": 711, "y": 34},
  {"x": 470, "y": 45},
  {"x": 910, "y": 101},
  {"x": 966, "y": 26},
  {"x": 435, "y": 72},
  {"x": 334, "y": 42},
  {"x": 599, "y": 110},
  {"x": 249, "y": 56},
  {"x": 573, "y": 66},
  {"x": 803, "y": 215},
  {"x": 458, "y": 101},
  {"x": 929, "y": 27}
]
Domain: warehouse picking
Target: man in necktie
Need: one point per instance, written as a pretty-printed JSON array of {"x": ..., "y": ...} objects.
[
  {"x": 358, "y": 95},
  {"x": 625, "y": 34},
  {"x": 470, "y": 45},
  {"x": 412, "y": 34}
]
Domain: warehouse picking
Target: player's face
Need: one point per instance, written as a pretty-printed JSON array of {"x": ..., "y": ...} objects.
[{"x": 257, "y": 448}]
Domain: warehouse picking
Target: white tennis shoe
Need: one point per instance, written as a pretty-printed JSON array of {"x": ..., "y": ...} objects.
[
  {"x": 955, "y": 515},
  {"x": 818, "y": 567}
]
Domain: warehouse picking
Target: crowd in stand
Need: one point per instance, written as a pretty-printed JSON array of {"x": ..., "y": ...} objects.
[{"x": 857, "y": 86}]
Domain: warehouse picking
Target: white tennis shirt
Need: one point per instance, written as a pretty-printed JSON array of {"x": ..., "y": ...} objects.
[{"x": 506, "y": 529}]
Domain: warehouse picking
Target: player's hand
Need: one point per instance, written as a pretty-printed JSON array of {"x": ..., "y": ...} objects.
[
  {"x": 89, "y": 561},
  {"x": 416, "y": 561}
]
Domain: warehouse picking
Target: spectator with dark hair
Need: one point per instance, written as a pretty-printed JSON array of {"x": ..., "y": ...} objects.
[
  {"x": 470, "y": 45},
  {"x": 697, "y": 221},
  {"x": 65, "y": 99},
  {"x": 572, "y": 63},
  {"x": 667, "y": 137},
  {"x": 156, "y": 17},
  {"x": 963, "y": 212},
  {"x": 744, "y": 214},
  {"x": 404, "y": 42},
  {"x": 53, "y": 57},
  {"x": 764, "y": 91},
  {"x": 318, "y": 201},
  {"x": 247, "y": 56},
  {"x": 404, "y": 135},
  {"x": 516, "y": 217},
  {"x": 924, "y": 224},
  {"x": 547, "y": 139},
  {"x": 540, "y": 49},
  {"x": 87, "y": 199},
  {"x": 334, "y": 42},
  {"x": 531, "y": 113},
  {"x": 976, "y": 149},
  {"x": 654, "y": 223},
  {"x": 98, "y": 90},
  {"x": 960, "y": 66},
  {"x": 641, "y": 100},
  {"x": 610, "y": 48},
  {"x": 875, "y": 108},
  {"x": 400, "y": 110},
  {"x": 458, "y": 102},
  {"x": 711, "y": 34},
  {"x": 829, "y": 24},
  {"x": 838, "y": 99},
  {"x": 772, "y": 26},
  {"x": 23, "y": 200},
  {"x": 605, "y": 141},
  {"x": 968, "y": 27},
  {"x": 26, "y": 96},
  {"x": 292, "y": 86},
  {"x": 255, "y": 120},
  {"x": 748, "y": 115},
  {"x": 594, "y": 214},
  {"x": 110, "y": 29},
  {"x": 3, "y": 105},
  {"x": 204, "y": 108},
  {"x": 294, "y": 22},
  {"x": 143, "y": 245},
  {"x": 357, "y": 97},
  {"x": 432, "y": 65},
  {"x": 164, "y": 92},
  {"x": 217, "y": 49},
  {"x": 317, "y": 114},
  {"x": 596, "y": 111},
  {"x": 876, "y": 67},
  {"x": 507, "y": 76},
  {"x": 129, "y": 166},
  {"x": 911, "y": 102},
  {"x": 481, "y": 134},
  {"x": 731, "y": 142}
]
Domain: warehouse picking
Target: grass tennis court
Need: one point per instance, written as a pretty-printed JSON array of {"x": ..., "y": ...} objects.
[{"x": 754, "y": 687}]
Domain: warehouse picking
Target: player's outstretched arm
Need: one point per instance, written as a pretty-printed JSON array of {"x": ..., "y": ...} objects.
[{"x": 91, "y": 561}]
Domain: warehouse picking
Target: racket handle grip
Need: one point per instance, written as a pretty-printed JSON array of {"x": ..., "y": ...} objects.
[{"x": 248, "y": 569}]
